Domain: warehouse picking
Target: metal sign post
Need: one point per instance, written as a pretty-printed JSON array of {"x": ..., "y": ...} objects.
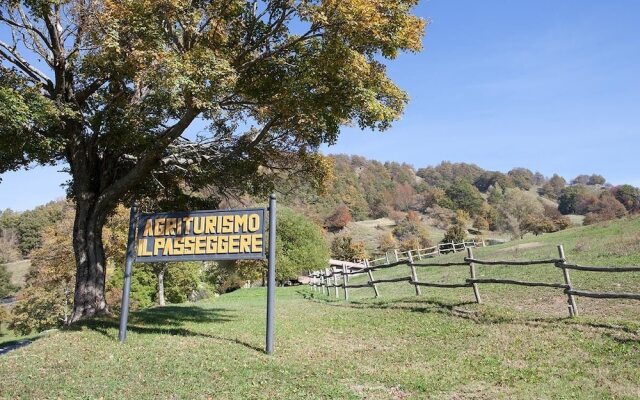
[
  {"x": 271, "y": 279},
  {"x": 128, "y": 269}
]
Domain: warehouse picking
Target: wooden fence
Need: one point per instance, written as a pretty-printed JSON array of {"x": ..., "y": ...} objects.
[
  {"x": 342, "y": 271},
  {"x": 442, "y": 248}
]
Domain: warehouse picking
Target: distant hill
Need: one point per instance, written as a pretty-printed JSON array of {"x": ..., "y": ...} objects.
[{"x": 490, "y": 203}]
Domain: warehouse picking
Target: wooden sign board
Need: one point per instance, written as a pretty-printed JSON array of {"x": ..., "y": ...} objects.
[{"x": 201, "y": 236}]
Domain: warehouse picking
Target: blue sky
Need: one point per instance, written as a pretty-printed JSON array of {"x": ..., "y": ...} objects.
[{"x": 553, "y": 86}]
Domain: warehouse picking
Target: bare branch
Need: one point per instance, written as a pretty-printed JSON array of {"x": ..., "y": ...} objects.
[
  {"x": 11, "y": 55},
  {"x": 261, "y": 135}
]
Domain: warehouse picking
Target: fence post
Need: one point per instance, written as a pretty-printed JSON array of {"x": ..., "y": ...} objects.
[
  {"x": 370, "y": 273},
  {"x": 344, "y": 282},
  {"x": 573, "y": 308},
  {"x": 453, "y": 246},
  {"x": 335, "y": 281},
  {"x": 414, "y": 275},
  {"x": 386, "y": 255},
  {"x": 395, "y": 253},
  {"x": 472, "y": 272},
  {"x": 326, "y": 282},
  {"x": 438, "y": 248}
]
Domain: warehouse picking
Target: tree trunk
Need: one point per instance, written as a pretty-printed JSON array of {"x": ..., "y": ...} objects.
[
  {"x": 160, "y": 270},
  {"x": 89, "y": 298}
]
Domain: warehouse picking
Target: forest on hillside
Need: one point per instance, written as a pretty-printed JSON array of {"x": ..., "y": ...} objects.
[
  {"x": 462, "y": 198},
  {"x": 447, "y": 202}
]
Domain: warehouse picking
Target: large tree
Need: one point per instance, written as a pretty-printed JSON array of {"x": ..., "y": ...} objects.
[{"x": 111, "y": 88}]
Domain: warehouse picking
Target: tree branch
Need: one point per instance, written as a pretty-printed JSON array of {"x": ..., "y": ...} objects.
[
  {"x": 12, "y": 56},
  {"x": 148, "y": 161}
]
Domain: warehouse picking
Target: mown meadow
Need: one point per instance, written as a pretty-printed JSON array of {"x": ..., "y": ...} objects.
[{"x": 518, "y": 344}]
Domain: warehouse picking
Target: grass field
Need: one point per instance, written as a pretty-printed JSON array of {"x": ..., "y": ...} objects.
[
  {"x": 518, "y": 344},
  {"x": 19, "y": 271}
]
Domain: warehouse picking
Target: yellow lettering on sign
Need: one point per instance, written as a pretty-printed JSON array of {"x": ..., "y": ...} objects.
[
  {"x": 227, "y": 224},
  {"x": 168, "y": 247},
  {"x": 198, "y": 225},
  {"x": 212, "y": 244},
  {"x": 189, "y": 243},
  {"x": 187, "y": 228},
  {"x": 210, "y": 224},
  {"x": 233, "y": 244},
  {"x": 142, "y": 248},
  {"x": 256, "y": 243},
  {"x": 245, "y": 243},
  {"x": 179, "y": 226},
  {"x": 240, "y": 223},
  {"x": 178, "y": 246},
  {"x": 254, "y": 222},
  {"x": 223, "y": 242},
  {"x": 170, "y": 227},
  {"x": 158, "y": 244},
  {"x": 148, "y": 228},
  {"x": 201, "y": 245},
  {"x": 159, "y": 228}
]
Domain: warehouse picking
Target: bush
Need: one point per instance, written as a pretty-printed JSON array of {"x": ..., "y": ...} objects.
[
  {"x": 604, "y": 208},
  {"x": 465, "y": 197},
  {"x": 339, "y": 219},
  {"x": 346, "y": 249},
  {"x": 572, "y": 199},
  {"x": 553, "y": 188},
  {"x": 387, "y": 242},
  {"x": 481, "y": 223},
  {"x": 456, "y": 234},
  {"x": 629, "y": 196},
  {"x": 412, "y": 228},
  {"x": 300, "y": 245},
  {"x": 6, "y": 287},
  {"x": 522, "y": 178}
]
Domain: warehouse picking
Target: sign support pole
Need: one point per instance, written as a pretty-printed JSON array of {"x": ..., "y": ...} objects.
[
  {"x": 271, "y": 280},
  {"x": 128, "y": 269}
]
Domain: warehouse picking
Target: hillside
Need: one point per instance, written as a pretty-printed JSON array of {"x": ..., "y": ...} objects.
[
  {"x": 19, "y": 271},
  {"x": 518, "y": 344}
]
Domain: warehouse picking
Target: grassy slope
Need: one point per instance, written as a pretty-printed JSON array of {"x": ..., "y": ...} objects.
[
  {"x": 18, "y": 270},
  {"x": 518, "y": 344}
]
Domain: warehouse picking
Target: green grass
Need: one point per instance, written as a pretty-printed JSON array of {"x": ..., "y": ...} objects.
[
  {"x": 19, "y": 271},
  {"x": 518, "y": 344}
]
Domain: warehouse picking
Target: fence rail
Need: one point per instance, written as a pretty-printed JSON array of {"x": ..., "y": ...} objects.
[
  {"x": 442, "y": 248},
  {"x": 321, "y": 280}
]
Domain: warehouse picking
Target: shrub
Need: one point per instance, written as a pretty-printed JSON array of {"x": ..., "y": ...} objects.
[
  {"x": 573, "y": 199},
  {"x": 629, "y": 196},
  {"x": 465, "y": 197},
  {"x": 412, "y": 228},
  {"x": 522, "y": 178},
  {"x": 606, "y": 207},
  {"x": 553, "y": 188},
  {"x": 6, "y": 287},
  {"x": 387, "y": 242},
  {"x": 346, "y": 249},
  {"x": 339, "y": 219},
  {"x": 456, "y": 234},
  {"x": 480, "y": 223}
]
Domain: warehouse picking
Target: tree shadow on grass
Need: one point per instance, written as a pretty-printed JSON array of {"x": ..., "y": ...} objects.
[
  {"x": 484, "y": 316},
  {"x": 167, "y": 320},
  {"x": 8, "y": 346}
]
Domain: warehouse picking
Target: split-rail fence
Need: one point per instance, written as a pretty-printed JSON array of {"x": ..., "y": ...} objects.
[{"x": 337, "y": 275}]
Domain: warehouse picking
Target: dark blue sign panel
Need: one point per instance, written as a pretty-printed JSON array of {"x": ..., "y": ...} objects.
[{"x": 201, "y": 236}]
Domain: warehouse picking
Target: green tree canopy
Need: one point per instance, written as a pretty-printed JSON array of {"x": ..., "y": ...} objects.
[
  {"x": 121, "y": 83},
  {"x": 300, "y": 245}
]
